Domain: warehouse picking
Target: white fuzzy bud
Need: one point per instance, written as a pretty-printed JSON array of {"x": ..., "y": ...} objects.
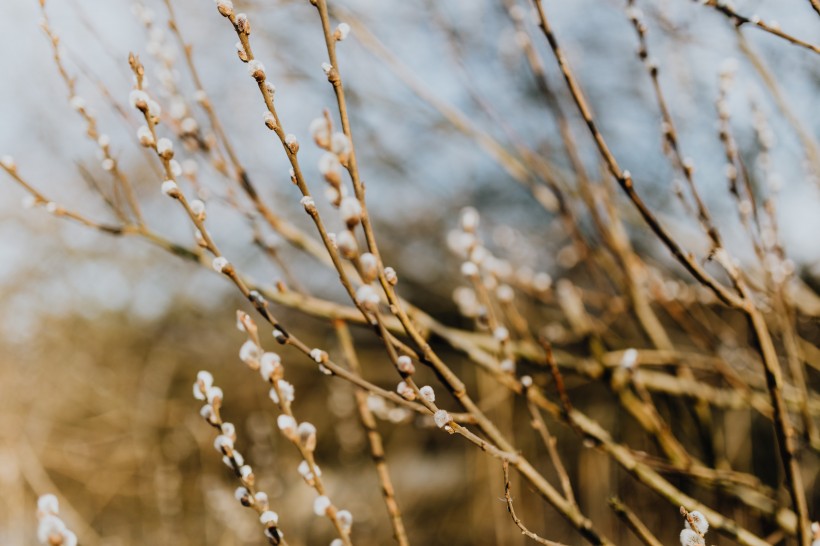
[
  {"x": 268, "y": 365},
  {"x": 405, "y": 391},
  {"x": 342, "y": 31},
  {"x": 321, "y": 505},
  {"x": 270, "y": 120},
  {"x": 198, "y": 208},
  {"x": 77, "y": 103},
  {"x": 542, "y": 282},
  {"x": 369, "y": 266},
  {"x": 469, "y": 270},
  {"x": 220, "y": 264},
  {"x": 50, "y": 526},
  {"x": 139, "y": 99},
  {"x": 213, "y": 395},
  {"x": 479, "y": 254},
  {"x": 442, "y": 418},
  {"x": 690, "y": 538},
  {"x": 307, "y": 435},
  {"x": 701, "y": 525},
  {"x": 225, "y": 7},
  {"x": 249, "y": 353},
  {"x": 189, "y": 126},
  {"x": 287, "y": 425},
  {"x": 333, "y": 195},
  {"x": 347, "y": 245},
  {"x": 170, "y": 188},
  {"x": 340, "y": 144},
  {"x": 504, "y": 293},
  {"x": 367, "y": 297},
  {"x": 345, "y": 519},
  {"x": 292, "y": 143},
  {"x": 206, "y": 411},
  {"x": 287, "y": 390},
  {"x": 629, "y": 358},
  {"x": 330, "y": 168},
  {"x": 165, "y": 148},
  {"x": 309, "y": 204},
  {"x": 154, "y": 109},
  {"x": 229, "y": 430},
  {"x": 501, "y": 334},
  {"x": 326, "y": 68},
  {"x": 319, "y": 130},
  {"x": 205, "y": 378},
  {"x": 318, "y": 356},
  {"x": 428, "y": 393},
  {"x": 261, "y": 498},
  {"x": 243, "y": 25},
  {"x": 469, "y": 219},
  {"x": 391, "y": 276},
  {"x": 8, "y": 163},
  {"x": 145, "y": 137},
  {"x": 256, "y": 70},
  {"x": 305, "y": 472},
  {"x": 48, "y": 504},
  {"x": 405, "y": 365},
  {"x": 223, "y": 444},
  {"x": 269, "y": 517},
  {"x": 242, "y": 494},
  {"x": 351, "y": 211}
]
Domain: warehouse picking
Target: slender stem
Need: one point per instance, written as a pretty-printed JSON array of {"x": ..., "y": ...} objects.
[
  {"x": 634, "y": 522},
  {"x": 373, "y": 437},
  {"x": 508, "y": 498}
]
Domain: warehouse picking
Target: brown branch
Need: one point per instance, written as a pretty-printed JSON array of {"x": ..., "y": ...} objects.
[
  {"x": 634, "y": 522},
  {"x": 373, "y": 437},
  {"x": 740, "y": 20},
  {"x": 508, "y": 497},
  {"x": 537, "y": 422}
]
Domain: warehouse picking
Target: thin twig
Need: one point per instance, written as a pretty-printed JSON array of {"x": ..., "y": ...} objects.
[
  {"x": 634, "y": 522},
  {"x": 373, "y": 437},
  {"x": 508, "y": 497}
]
